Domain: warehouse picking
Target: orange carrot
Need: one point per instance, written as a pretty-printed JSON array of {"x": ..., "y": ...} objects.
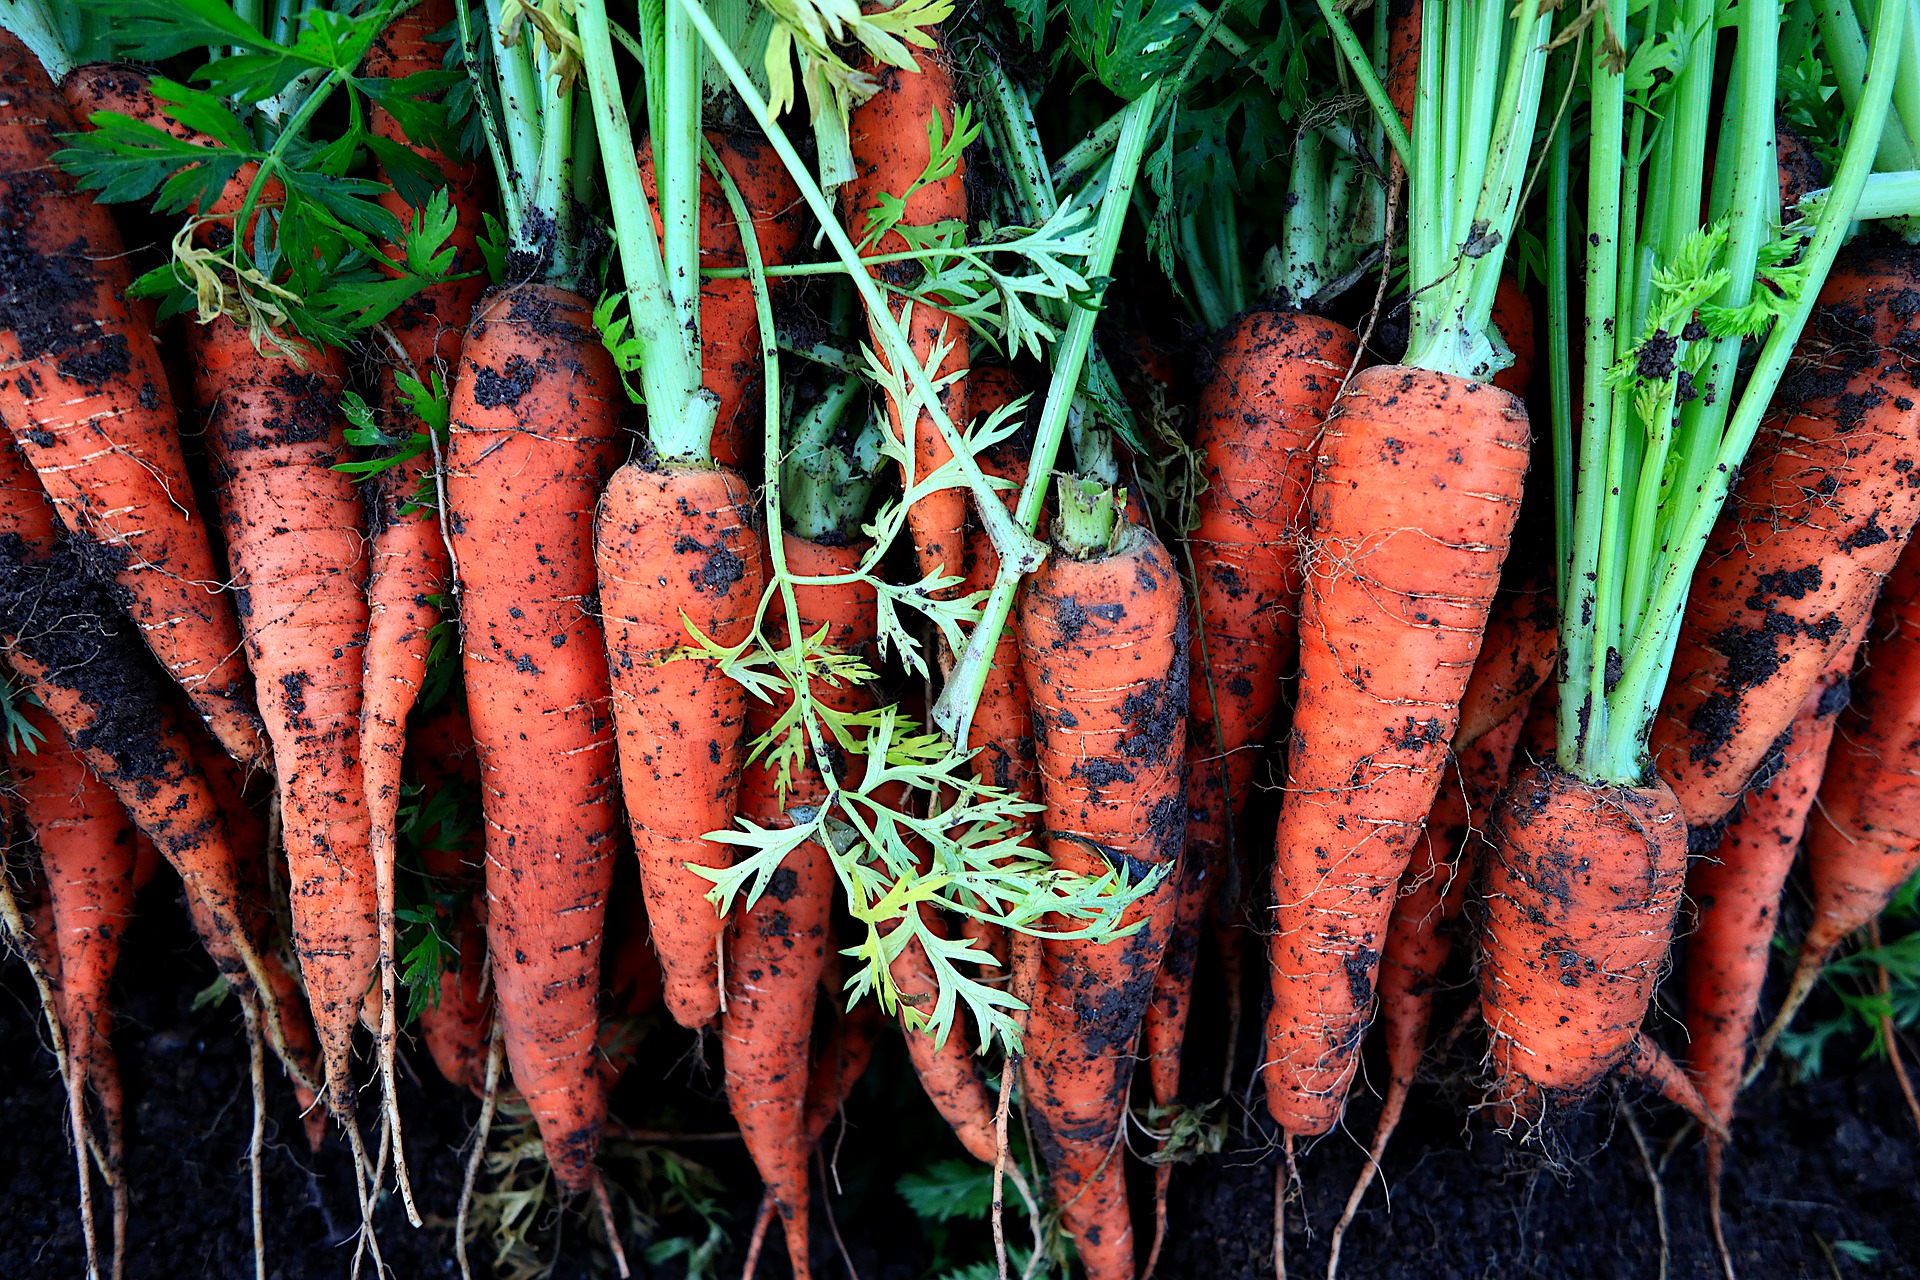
[
  {"x": 1863, "y": 840},
  {"x": 83, "y": 390},
  {"x": 1513, "y": 316},
  {"x": 1582, "y": 886},
  {"x": 1104, "y": 644},
  {"x": 1820, "y": 513},
  {"x": 1413, "y": 501},
  {"x": 1516, "y": 658},
  {"x": 888, "y": 138},
  {"x": 675, "y": 544},
  {"x": 534, "y": 437},
  {"x": 729, "y": 326}
]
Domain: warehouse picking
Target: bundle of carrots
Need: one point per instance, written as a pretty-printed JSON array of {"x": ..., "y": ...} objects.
[{"x": 613, "y": 461}]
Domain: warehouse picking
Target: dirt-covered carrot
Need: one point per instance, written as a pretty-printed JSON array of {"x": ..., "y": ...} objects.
[
  {"x": 1103, "y": 638},
  {"x": 534, "y": 438},
  {"x": 1414, "y": 495},
  {"x": 1735, "y": 892},
  {"x": 1819, "y": 515},
  {"x": 87, "y": 399},
  {"x": 889, "y": 137},
  {"x": 1568, "y": 960},
  {"x": 675, "y": 544},
  {"x": 294, "y": 533},
  {"x": 730, "y": 362},
  {"x": 1863, "y": 839},
  {"x": 1516, "y": 659}
]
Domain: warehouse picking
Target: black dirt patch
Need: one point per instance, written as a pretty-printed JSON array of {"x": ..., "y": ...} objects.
[{"x": 502, "y": 388}]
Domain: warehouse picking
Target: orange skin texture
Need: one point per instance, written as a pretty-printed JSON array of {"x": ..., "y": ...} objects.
[
  {"x": 535, "y": 437},
  {"x": 1414, "y": 495},
  {"x": 83, "y": 389},
  {"x": 1276, "y": 375},
  {"x": 87, "y": 851},
  {"x": 1863, "y": 840},
  {"x": 1403, "y": 58},
  {"x": 842, "y": 1061},
  {"x": 1104, "y": 644},
  {"x": 888, "y": 138},
  {"x": 441, "y": 753},
  {"x": 1735, "y": 893},
  {"x": 777, "y": 949},
  {"x": 406, "y": 554},
  {"x": 294, "y": 538},
  {"x": 672, "y": 543},
  {"x": 1582, "y": 886},
  {"x": 1516, "y": 660},
  {"x": 730, "y": 355},
  {"x": 1823, "y": 506},
  {"x": 1513, "y": 316}
]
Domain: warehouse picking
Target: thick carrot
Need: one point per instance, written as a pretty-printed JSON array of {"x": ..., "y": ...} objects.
[
  {"x": 407, "y": 561},
  {"x": 1863, "y": 840},
  {"x": 729, "y": 327},
  {"x": 457, "y": 1026},
  {"x": 1104, "y": 643},
  {"x": 675, "y": 544},
  {"x": 86, "y": 849},
  {"x": 534, "y": 437},
  {"x": 1582, "y": 887},
  {"x": 1736, "y": 903},
  {"x": 1821, "y": 511},
  {"x": 1414, "y": 495},
  {"x": 777, "y": 948},
  {"x": 294, "y": 535},
  {"x": 84, "y": 393},
  {"x": 888, "y": 137}
]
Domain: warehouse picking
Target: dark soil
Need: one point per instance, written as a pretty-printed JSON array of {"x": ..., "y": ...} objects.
[{"x": 1817, "y": 1165}]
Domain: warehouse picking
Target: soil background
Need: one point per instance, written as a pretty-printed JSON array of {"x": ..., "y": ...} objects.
[{"x": 1822, "y": 1183}]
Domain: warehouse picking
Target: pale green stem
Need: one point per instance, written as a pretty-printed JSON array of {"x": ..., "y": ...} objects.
[{"x": 1362, "y": 68}]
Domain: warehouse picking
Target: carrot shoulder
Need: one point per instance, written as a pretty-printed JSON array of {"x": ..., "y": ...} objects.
[{"x": 534, "y": 438}]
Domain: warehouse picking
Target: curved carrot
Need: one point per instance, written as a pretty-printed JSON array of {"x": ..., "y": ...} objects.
[
  {"x": 1517, "y": 656},
  {"x": 675, "y": 544},
  {"x": 1819, "y": 516},
  {"x": 1413, "y": 502},
  {"x": 1863, "y": 839},
  {"x": 1104, "y": 643},
  {"x": 729, "y": 326},
  {"x": 534, "y": 437},
  {"x": 1582, "y": 887},
  {"x": 887, "y": 135},
  {"x": 294, "y": 536},
  {"x": 83, "y": 390}
]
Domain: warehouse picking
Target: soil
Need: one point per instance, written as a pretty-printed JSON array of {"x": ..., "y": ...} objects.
[{"x": 1824, "y": 1171}]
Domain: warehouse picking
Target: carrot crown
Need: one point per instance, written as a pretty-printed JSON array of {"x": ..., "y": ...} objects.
[{"x": 1090, "y": 524}]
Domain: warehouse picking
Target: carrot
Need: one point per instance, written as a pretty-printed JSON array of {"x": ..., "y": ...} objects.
[
  {"x": 1820, "y": 513},
  {"x": 408, "y": 566},
  {"x": 457, "y": 1026},
  {"x": 1863, "y": 839},
  {"x": 1412, "y": 506},
  {"x": 1736, "y": 900},
  {"x": 83, "y": 390},
  {"x": 777, "y": 948},
  {"x": 294, "y": 535},
  {"x": 86, "y": 850},
  {"x": 1403, "y": 57},
  {"x": 1516, "y": 658},
  {"x": 1104, "y": 644},
  {"x": 887, "y": 135},
  {"x": 1582, "y": 889},
  {"x": 729, "y": 328},
  {"x": 1800, "y": 169},
  {"x": 533, "y": 440},
  {"x": 675, "y": 543},
  {"x": 1513, "y": 316}
]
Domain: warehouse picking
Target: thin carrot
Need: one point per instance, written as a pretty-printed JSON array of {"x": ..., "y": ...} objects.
[
  {"x": 1513, "y": 316},
  {"x": 534, "y": 438},
  {"x": 1516, "y": 658},
  {"x": 1569, "y": 959},
  {"x": 730, "y": 365},
  {"x": 1863, "y": 840},
  {"x": 1104, "y": 643},
  {"x": 1819, "y": 516},
  {"x": 891, "y": 152},
  {"x": 1413, "y": 501},
  {"x": 83, "y": 390}
]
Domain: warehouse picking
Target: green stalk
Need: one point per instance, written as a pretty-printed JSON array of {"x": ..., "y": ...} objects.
[
  {"x": 1887, "y": 195},
  {"x": 679, "y": 413},
  {"x": 483, "y": 103},
  {"x": 1846, "y": 55},
  {"x": 676, "y": 158},
  {"x": 1089, "y": 518},
  {"x": 272, "y": 163},
  {"x": 1644, "y": 676},
  {"x": 1560, "y": 342},
  {"x": 520, "y": 106},
  {"x": 1362, "y": 68},
  {"x": 831, "y": 485},
  {"x": 954, "y": 711},
  {"x": 1016, "y": 548}
]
